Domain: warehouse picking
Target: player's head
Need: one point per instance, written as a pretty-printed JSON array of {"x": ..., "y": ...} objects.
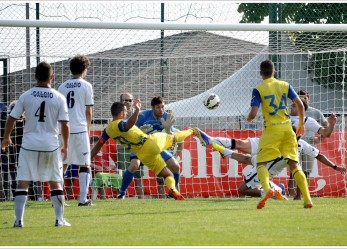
[
  {"x": 79, "y": 65},
  {"x": 267, "y": 69},
  {"x": 158, "y": 106},
  {"x": 127, "y": 99},
  {"x": 303, "y": 94},
  {"x": 118, "y": 110},
  {"x": 44, "y": 72},
  {"x": 294, "y": 110}
]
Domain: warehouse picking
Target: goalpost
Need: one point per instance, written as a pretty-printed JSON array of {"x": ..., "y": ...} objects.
[{"x": 183, "y": 65}]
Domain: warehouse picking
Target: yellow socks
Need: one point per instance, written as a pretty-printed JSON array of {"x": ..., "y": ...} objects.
[
  {"x": 170, "y": 182},
  {"x": 263, "y": 175},
  {"x": 301, "y": 181},
  {"x": 181, "y": 135}
]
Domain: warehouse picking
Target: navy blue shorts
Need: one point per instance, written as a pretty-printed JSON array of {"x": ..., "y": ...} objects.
[{"x": 72, "y": 171}]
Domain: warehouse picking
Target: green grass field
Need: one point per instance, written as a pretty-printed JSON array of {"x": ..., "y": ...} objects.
[{"x": 194, "y": 222}]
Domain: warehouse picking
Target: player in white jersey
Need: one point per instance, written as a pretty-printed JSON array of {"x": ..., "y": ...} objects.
[
  {"x": 40, "y": 158},
  {"x": 80, "y": 101},
  {"x": 251, "y": 185}
]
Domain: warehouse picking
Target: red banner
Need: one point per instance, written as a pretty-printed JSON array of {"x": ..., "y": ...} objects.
[{"x": 204, "y": 173}]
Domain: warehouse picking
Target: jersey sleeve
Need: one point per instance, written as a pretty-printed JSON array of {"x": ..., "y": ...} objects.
[
  {"x": 140, "y": 119},
  {"x": 63, "y": 111},
  {"x": 18, "y": 109},
  {"x": 255, "y": 98},
  {"x": 122, "y": 125},
  {"x": 104, "y": 137},
  {"x": 89, "y": 95},
  {"x": 291, "y": 93},
  {"x": 312, "y": 125}
]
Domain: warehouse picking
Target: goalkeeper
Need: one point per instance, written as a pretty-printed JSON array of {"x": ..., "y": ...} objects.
[
  {"x": 151, "y": 121},
  {"x": 148, "y": 148}
]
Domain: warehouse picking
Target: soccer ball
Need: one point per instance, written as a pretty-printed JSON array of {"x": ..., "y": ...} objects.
[{"x": 211, "y": 101}]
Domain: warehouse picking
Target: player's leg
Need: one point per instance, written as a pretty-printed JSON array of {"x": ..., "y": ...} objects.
[
  {"x": 20, "y": 199},
  {"x": 161, "y": 187},
  {"x": 170, "y": 184},
  {"x": 128, "y": 176},
  {"x": 301, "y": 181},
  {"x": 172, "y": 164},
  {"x": 245, "y": 190}
]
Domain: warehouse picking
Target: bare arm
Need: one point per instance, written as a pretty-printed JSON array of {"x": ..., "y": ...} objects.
[
  {"x": 89, "y": 116},
  {"x": 241, "y": 158},
  {"x": 323, "y": 159},
  {"x": 300, "y": 129},
  {"x": 65, "y": 133},
  {"x": 252, "y": 114},
  {"x": 326, "y": 132},
  {"x": 132, "y": 120},
  {"x": 97, "y": 147},
  {"x": 8, "y": 129}
]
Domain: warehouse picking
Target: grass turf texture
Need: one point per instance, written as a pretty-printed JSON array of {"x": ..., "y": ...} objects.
[{"x": 193, "y": 222}]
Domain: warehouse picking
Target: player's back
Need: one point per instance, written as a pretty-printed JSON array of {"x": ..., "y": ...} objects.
[
  {"x": 79, "y": 94},
  {"x": 274, "y": 102},
  {"x": 43, "y": 108}
]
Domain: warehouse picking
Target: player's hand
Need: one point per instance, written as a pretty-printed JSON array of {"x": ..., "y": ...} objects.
[
  {"x": 137, "y": 104},
  {"x": 167, "y": 124},
  {"x": 147, "y": 128},
  {"x": 341, "y": 169},
  {"x": 300, "y": 130},
  {"x": 5, "y": 142},
  {"x": 332, "y": 119}
]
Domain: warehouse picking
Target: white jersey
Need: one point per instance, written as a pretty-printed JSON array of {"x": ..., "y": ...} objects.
[
  {"x": 311, "y": 125},
  {"x": 275, "y": 167},
  {"x": 43, "y": 107},
  {"x": 79, "y": 94}
]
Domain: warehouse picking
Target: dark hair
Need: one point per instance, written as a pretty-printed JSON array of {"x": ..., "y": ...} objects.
[
  {"x": 303, "y": 92},
  {"x": 267, "y": 68},
  {"x": 43, "y": 71},
  {"x": 93, "y": 139},
  {"x": 78, "y": 64},
  {"x": 116, "y": 108},
  {"x": 304, "y": 102},
  {"x": 157, "y": 100}
]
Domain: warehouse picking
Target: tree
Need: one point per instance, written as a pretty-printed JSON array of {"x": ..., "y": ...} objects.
[{"x": 327, "y": 67}]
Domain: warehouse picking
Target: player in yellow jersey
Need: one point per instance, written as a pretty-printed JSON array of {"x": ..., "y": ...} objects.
[
  {"x": 278, "y": 138},
  {"x": 146, "y": 147}
]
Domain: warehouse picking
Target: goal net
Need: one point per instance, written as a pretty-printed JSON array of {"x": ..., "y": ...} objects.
[{"x": 189, "y": 51}]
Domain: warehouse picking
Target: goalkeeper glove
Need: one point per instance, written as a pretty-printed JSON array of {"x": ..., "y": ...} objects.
[
  {"x": 147, "y": 128},
  {"x": 167, "y": 124}
]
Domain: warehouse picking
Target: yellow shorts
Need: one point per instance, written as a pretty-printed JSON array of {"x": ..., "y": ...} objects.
[
  {"x": 277, "y": 143},
  {"x": 149, "y": 154}
]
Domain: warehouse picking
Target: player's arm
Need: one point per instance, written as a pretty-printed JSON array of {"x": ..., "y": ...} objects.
[
  {"x": 89, "y": 116},
  {"x": 326, "y": 132},
  {"x": 132, "y": 120},
  {"x": 65, "y": 133},
  {"x": 255, "y": 103},
  {"x": 6, "y": 141},
  {"x": 323, "y": 159},
  {"x": 300, "y": 129}
]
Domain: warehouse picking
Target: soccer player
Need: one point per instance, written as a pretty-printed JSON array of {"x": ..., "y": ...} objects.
[
  {"x": 278, "y": 138},
  {"x": 40, "y": 158},
  {"x": 151, "y": 121},
  {"x": 251, "y": 185},
  {"x": 148, "y": 148},
  {"x": 79, "y": 97}
]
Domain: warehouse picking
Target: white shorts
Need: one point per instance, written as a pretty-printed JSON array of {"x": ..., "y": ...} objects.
[
  {"x": 40, "y": 166},
  {"x": 78, "y": 149},
  {"x": 254, "y": 141}
]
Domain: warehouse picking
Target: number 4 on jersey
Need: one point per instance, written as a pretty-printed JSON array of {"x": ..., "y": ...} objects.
[{"x": 41, "y": 112}]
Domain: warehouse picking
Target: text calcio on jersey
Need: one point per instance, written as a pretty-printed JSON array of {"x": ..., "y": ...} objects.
[
  {"x": 42, "y": 94},
  {"x": 73, "y": 85}
]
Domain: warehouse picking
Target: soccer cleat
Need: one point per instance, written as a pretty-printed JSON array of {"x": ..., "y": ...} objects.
[
  {"x": 66, "y": 205},
  {"x": 281, "y": 185},
  {"x": 308, "y": 204},
  {"x": 18, "y": 225},
  {"x": 176, "y": 195},
  {"x": 62, "y": 223},
  {"x": 279, "y": 196},
  {"x": 263, "y": 200},
  {"x": 120, "y": 196},
  {"x": 87, "y": 203},
  {"x": 203, "y": 137}
]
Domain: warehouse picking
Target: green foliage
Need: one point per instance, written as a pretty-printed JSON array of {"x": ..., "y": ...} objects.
[
  {"x": 194, "y": 222},
  {"x": 326, "y": 72}
]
